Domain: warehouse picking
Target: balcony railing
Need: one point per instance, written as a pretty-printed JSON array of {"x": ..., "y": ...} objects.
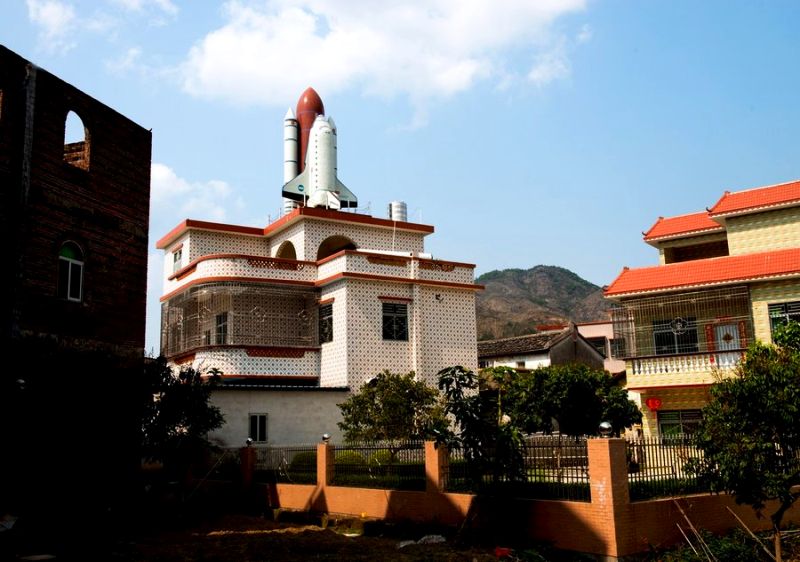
[{"x": 686, "y": 364}]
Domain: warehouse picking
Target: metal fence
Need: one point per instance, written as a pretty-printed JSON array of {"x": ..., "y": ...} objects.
[
  {"x": 388, "y": 465},
  {"x": 554, "y": 467},
  {"x": 657, "y": 467},
  {"x": 291, "y": 464}
]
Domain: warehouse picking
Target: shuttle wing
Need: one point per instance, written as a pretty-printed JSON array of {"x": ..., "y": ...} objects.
[
  {"x": 346, "y": 196},
  {"x": 298, "y": 188}
]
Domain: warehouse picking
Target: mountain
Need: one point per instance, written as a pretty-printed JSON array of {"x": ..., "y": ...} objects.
[{"x": 517, "y": 300}]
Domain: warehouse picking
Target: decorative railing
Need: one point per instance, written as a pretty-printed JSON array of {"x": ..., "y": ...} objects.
[{"x": 686, "y": 364}]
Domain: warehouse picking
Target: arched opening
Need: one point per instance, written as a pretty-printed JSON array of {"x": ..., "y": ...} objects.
[
  {"x": 70, "y": 272},
  {"x": 286, "y": 251},
  {"x": 76, "y": 142},
  {"x": 334, "y": 244}
]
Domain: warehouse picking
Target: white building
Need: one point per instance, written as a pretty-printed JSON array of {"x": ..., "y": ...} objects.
[{"x": 300, "y": 313}]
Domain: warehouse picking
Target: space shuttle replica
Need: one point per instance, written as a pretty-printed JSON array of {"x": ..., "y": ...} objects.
[{"x": 309, "y": 158}]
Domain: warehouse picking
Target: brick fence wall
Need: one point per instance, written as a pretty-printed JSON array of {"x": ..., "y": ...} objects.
[{"x": 610, "y": 525}]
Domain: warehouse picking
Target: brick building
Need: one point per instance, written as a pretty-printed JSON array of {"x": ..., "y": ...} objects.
[{"x": 75, "y": 218}]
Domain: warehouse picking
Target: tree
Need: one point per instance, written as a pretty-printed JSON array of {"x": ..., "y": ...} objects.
[
  {"x": 576, "y": 397},
  {"x": 176, "y": 414},
  {"x": 392, "y": 407},
  {"x": 750, "y": 431}
]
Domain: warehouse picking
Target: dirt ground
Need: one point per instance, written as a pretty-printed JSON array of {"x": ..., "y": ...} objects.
[{"x": 246, "y": 538}]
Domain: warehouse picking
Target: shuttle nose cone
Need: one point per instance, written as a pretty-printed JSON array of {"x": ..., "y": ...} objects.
[{"x": 310, "y": 102}]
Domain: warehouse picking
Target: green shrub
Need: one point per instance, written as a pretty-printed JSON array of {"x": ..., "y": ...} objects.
[
  {"x": 304, "y": 462},
  {"x": 349, "y": 457}
]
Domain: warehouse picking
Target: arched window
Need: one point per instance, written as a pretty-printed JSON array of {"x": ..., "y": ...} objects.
[
  {"x": 76, "y": 142},
  {"x": 70, "y": 272},
  {"x": 286, "y": 251},
  {"x": 334, "y": 244}
]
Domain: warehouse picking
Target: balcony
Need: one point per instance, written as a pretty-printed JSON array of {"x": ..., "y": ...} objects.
[{"x": 700, "y": 363}]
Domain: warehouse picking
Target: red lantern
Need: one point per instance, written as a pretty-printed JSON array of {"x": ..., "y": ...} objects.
[{"x": 653, "y": 403}]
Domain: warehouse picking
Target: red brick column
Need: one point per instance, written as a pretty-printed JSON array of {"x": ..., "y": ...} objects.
[
  {"x": 437, "y": 460},
  {"x": 325, "y": 464},
  {"x": 608, "y": 480},
  {"x": 247, "y": 456}
]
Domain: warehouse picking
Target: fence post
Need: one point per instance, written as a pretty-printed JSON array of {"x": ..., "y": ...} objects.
[
  {"x": 247, "y": 456},
  {"x": 436, "y": 467},
  {"x": 325, "y": 464},
  {"x": 608, "y": 481}
]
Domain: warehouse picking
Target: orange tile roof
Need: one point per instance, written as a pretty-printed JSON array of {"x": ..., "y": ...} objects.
[
  {"x": 759, "y": 198},
  {"x": 711, "y": 271},
  {"x": 681, "y": 225}
]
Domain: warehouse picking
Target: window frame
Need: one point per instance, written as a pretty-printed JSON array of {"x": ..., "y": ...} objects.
[
  {"x": 177, "y": 260},
  {"x": 261, "y": 429},
  {"x": 325, "y": 323},
  {"x": 678, "y": 345},
  {"x": 65, "y": 290},
  {"x": 781, "y": 312},
  {"x": 694, "y": 416},
  {"x": 394, "y": 325},
  {"x": 221, "y": 328}
]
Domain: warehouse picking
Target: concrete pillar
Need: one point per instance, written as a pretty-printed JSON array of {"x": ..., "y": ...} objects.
[
  {"x": 437, "y": 468},
  {"x": 325, "y": 464},
  {"x": 247, "y": 456}
]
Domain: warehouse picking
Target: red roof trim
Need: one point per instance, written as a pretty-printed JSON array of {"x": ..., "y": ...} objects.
[
  {"x": 681, "y": 226},
  {"x": 313, "y": 212},
  {"x": 711, "y": 271},
  {"x": 406, "y": 280},
  {"x": 757, "y": 199},
  {"x": 205, "y": 225}
]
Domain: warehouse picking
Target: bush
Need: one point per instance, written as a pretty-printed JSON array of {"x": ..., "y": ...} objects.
[
  {"x": 350, "y": 458},
  {"x": 304, "y": 462}
]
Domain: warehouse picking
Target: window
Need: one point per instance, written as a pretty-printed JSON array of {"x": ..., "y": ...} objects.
[
  {"x": 177, "y": 260},
  {"x": 520, "y": 364},
  {"x": 221, "y": 334},
  {"x": 780, "y": 314},
  {"x": 678, "y": 335},
  {"x": 325, "y": 323},
  {"x": 395, "y": 321},
  {"x": 678, "y": 422},
  {"x": 76, "y": 142},
  {"x": 258, "y": 428},
  {"x": 70, "y": 272},
  {"x": 599, "y": 343}
]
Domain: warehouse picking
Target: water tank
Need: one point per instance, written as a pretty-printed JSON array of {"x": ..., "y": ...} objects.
[{"x": 398, "y": 211}]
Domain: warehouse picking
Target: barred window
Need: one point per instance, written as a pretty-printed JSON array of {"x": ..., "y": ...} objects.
[
  {"x": 221, "y": 335},
  {"x": 678, "y": 422},
  {"x": 678, "y": 335},
  {"x": 177, "y": 260},
  {"x": 780, "y": 314},
  {"x": 395, "y": 321},
  {"x": 325, "y": 323}
]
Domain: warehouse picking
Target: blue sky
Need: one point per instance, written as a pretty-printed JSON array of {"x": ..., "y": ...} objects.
[{"x": 549, "y": 132}]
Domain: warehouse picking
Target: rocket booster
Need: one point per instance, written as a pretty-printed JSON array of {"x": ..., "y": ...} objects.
[{"x": 316, "y": 184}]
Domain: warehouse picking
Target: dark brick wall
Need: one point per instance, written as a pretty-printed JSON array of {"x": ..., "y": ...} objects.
[{"x": 104, "y": 208}]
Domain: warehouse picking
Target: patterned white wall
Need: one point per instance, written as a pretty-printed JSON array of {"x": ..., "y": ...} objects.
[
  {"x": 204, "y": 242},
  {"x": 368, "y": 353},
  {"x": 449, "y": 333},
  {"x": 363, "y": 236},
  {"x": 235, "y": 361},
  {"x": 441, "y": 271},
  {"x": 296, "y": 235},
  {"x": 334, "y": 358}
]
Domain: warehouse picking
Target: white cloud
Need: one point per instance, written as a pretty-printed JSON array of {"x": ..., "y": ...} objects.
[
  {"x": 267, "y": 52},
  {"x": 56, "y": 20},
  {"x": 179, "y": 197},
  {"x": 585, "y": 34},
  {"x": 165, "y": 6},
  {"x": 550, "y": 66}
]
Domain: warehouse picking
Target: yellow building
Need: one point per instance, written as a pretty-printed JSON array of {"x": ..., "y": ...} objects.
[{"x": 727, "y": 276}]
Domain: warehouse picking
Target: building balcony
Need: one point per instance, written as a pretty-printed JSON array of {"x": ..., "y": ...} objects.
[{"x": 694, "y": 364}]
